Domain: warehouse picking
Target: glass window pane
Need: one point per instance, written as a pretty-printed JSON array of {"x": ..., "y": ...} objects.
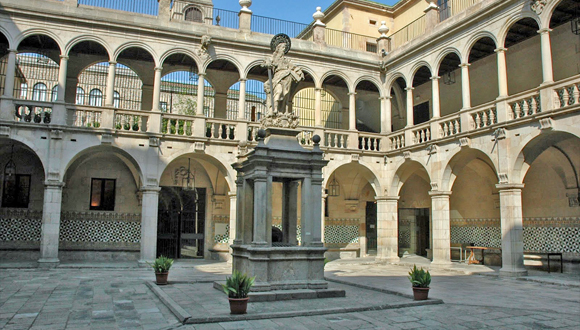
[
  {"x": 109, "y": 196},
  {"x": 96, "y": 194}
]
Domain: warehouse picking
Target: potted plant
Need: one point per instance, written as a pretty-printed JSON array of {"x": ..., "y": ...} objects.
[
  {"x": 237, "y": 288},
  {"x": 161, "y": 266},
  {"x": 420, "y": 279}
]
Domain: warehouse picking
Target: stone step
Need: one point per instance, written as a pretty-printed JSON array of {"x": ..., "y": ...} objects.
[{"x": 277, "y": 295}]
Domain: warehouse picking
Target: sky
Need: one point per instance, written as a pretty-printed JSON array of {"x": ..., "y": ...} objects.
[{"x": 291, "y": 10}]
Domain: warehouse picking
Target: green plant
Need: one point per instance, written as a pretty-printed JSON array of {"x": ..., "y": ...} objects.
[
  {"x": 238, "y": 285},
  {"x": 420, "y": 278},
  {"x": 162, "y": 264}
]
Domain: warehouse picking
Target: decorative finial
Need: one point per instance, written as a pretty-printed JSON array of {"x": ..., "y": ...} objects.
[
  {"x": 383, "y": 29},
  {"x": 245, "y": 5},
  {"x": 318, "y": 15},
  {"x": 316, "y": 139}
]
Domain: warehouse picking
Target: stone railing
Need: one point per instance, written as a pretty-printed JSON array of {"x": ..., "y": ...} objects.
[
  {"x": 397, "y": 141},
  {"x": 127, "y": 120},
  {"x": 421, "y": 133},
  {"x": 26, "y": 111},
  {"x": 525, "y": 105},
  {"x": 483, "y": 116},
  {"x": 221, "y": 129},
  {"x": 176, "y": 125},
  {"x": 366, "y": 141},
  {"x": 335, "y": 139},
  {"x": 450, "y": 125},
  {"x": 305, "y": 137},
  {"x": 567, "y": 93},
  {"x": 89, "y": 117}
]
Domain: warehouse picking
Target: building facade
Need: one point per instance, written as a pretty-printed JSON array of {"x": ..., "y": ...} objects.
[{"x": 449, "y": 126}]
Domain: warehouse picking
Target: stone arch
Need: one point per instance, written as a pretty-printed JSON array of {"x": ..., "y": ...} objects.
[
  {"x": 548, "y": 12},
  {"x": 392, "y": 79},
  {"x": 224, "y": 57},
  {"x": 8, "y": 37},
  {"x": 213, "y": 160},
  {"x": 368, "y": 173},
  {"x": 473, "y": 40},
  {"x": 372, "y": 80},
  {"x": 405, "y": 170},
  {"x": 339, "y": 74},
  {"x": 32, "y": 147},
  {"x": 460, "y": 154},
  {"x": 417, "y": 66},
  {"x": 251, "y": 66},
  {"x": 183, "y": 51},
  {"x": 25, "y": 34},
  {"x": 79, "y": 39},
  {"x": 443, "y": 54},
  {"x": 136, "y": 44},
  {"x": 503, "y": 32}
]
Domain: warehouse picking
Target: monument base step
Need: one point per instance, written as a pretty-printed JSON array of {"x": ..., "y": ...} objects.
[{"x": 277, "y": 295}]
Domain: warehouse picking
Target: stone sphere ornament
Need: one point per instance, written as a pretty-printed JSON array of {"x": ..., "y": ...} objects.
[
  {"x": 245, "y": 4},
  {"x": 261, "y": 134},
  {"x": 278, "y": 39},
  {"x": 316, "y": 139}
]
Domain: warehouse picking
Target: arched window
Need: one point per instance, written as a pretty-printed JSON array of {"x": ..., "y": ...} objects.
[
  {"x": 80, "y": 96},
  {"x": 193, "y": 14},
  {"x": 116, "y": 99},
  {"x": 39, "y": 92},
  {"x": 54, "y": 94},
  {"x": 23, "y": 90},
  {"x": 96, "y": 98}
]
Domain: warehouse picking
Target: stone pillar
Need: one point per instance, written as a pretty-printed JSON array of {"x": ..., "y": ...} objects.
[
  {"x": 200, "y": 91},
  {"x": 512, "y": 242},
  {"x": 164, "y": 10},
  {"x": 315, "y": 214},
  {"x": 436, "y": 100},
  {"x": 233, "y": 217},
  {"x": 149, "y": 211},
  {"x": 260, "y": 210},
  {"x": 242, "y": 100},
  {"x": 50, "y": 230},
  {"x": 383, "y": 42},
  {"x": 318, "y": 107},
  {"x": 290, "y": 212},
  {"x": 147, "y": 97},
  {"x": 409, "y": 106},
  {"x": 431, "y": 16},
  {"x": 465, "y": 86},
  {"x": 238, "y": 239},
  {"x": 388, "y": 229},
  {"x": 441, "y": 227},
  {"x": 352, "y": 111},
  {"x": 10, "y": 73},
  {"x": 386, "y": 114},
  {"x": 245, "y": 15},
  {"x": 547, "y": 71},
  {"x": 109, "y": 91},
  {"x": 62, "y": 70},
  {"x": 502, "y": 72},
  {"x": 319, "y": 28},
  {"x": 157, "y": 89}
]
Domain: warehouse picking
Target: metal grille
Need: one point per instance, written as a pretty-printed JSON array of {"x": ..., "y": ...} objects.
[
  {"x": 226, "y": 18},
  {"x": 34, "y": 70},
  {"x": 274, "y": 26},
  {"x": 129, "y": 87},
  {"x": 93, "y": 80},
  {"x": 179, "y": 92},
  {"x": 148, "y": 7},
  {"x": 255, "y": 101},
  {"x": 208, "y": 100},
  {"x": 3, "y": 68},
  {"x": 304, "y": 105}
]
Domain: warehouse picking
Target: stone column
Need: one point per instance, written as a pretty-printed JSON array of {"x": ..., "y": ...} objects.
[
  {"x": 441, "y": 227},
  {"x": 260, "y": 209},
  {"x": 318, "y": 107},
  {"x": 502, "y": 72},
  {"x": 149, "y": 212},
  {"x": 386, "y": 114},
  {"x": 512, "y": 242},
  {"x": 62, "y": 70},
  {"x": 242, "y": 100},
  {"x": 157, "y": 89},
  {"x": 200, "y": 91},
  {"x": 547, "y": 70},
  {"x": 239, "y": 211},
  {"x": 50, "y": 230},
  {"x": 315, "y": 215},
  {"x": 409, "y": 106},
  {"x": 465, "y": 85},
  {"x": 233, "y": 217},
  {"x": 290, "y": 212},
  {"x": 352, "y": 111},
  {"x": 305, "y": 212},
  {"x": 164, "y": 10},
  {"x": 388, "y": 229},
  {"x": 110, "y": 84},
  {"x": 436, "y": 101},
  {"x": 10, "y": 73}
]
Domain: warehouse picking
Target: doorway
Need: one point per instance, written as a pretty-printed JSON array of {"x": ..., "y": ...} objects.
[
  {"x": 371, "y": 227},
  {"x": 414, "y": 231},
  {"x": 181, "y": 222}
]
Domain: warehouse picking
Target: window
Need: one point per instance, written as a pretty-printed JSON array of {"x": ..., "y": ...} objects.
[
  {"x": 96, "y": 98},
  {"x": 23, "y": 90},
  {"x": 163, "y": 106},
  {"x": 39, "y": 92},
  {"x": 16, "y": 192},
  {"x": 103, "y": 194},
  {"x": 372, "y": 22},
  {"x": 116, "y": 99},
  {"x": 193, "y": 14},
  {"x": 80, "y": 96},
  {"x": 371, "y": 47},
  {"x": 54, "y": 94}
]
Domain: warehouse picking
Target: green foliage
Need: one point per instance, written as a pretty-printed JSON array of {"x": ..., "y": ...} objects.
[
  {"x": 419, "y": 277},
  {"x": 238, "y": 285},
  {"x": 162, "y": 264}
]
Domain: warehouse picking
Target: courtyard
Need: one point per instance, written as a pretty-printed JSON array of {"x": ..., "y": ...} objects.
[{"x": 121, "y": 296}]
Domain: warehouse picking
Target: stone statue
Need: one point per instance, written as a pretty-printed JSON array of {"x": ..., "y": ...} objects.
[
  {"x": 285, "y": 73},
  {"x": 203, "y": 51}
]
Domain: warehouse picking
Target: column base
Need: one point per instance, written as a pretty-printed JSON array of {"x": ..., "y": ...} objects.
[
  {"x": 387, "y": 260},
  {"x": 48, "y": 262},
  {"x": 513, "y": 272},
  {"x": 440, "y": 264}
]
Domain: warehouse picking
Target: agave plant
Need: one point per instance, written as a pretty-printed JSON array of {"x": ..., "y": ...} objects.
[
  {"x": 162, "y": 264},
  {"x": 238, "y": 285},
  {"x": 419, "y": 278}
]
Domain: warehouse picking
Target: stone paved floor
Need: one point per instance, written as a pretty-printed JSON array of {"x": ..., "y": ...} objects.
[{"x": 97, "y": 298}]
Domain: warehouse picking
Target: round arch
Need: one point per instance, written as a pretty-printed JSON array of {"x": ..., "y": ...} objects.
[
  {"x": 77, "y": 40},
  {"x": 175, "y": 51},
  {"x": 25, "y": 34},
  {"x": 443, "y": 54},
  {"x": 372, "y": 80},
  {"x": 459, "y": 159},
  {"x": 392, "y": 79},
  {"x": 222, "y": 57},
  {"x": 417, "y": 66},
  {"x": 136, "y": 44},
  {"x": 339, "y": 74},
  {"x": 405, "y": 170},
  {"x": 214, "y": 160},
  {"x": 503, "y": 32},
  {"x": 473, "y": 40},
  {"x": 367, "y": 172}
]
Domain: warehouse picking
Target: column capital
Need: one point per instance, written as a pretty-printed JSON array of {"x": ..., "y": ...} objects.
[
  {"x": 319, "y": 89},
  {"x": 385, "y": 97},
  {"x": 201, "y": 74},
  {"x": 64, "y": 57},
  {"x": 439, "y": 193},
  {"x": 545, "y": 31},
  {"x": 112, "y": 62},
  {"x": 434, "y": 78},
  {"x": 242, "y": 79},
  {"x": 351, "y": 94},
  {"x": 53, "y": 184},
  {"x": 150, "y": 189},
  {"x": 10, "y": 50},
  {"x": 409, "y": 88},
  {"x": 500, "y": 50},
  {"x": 158, "y": 68},
  {"x": 465, "y": 65},
  {"x": 387, "y": 198},
  {"x": 509, "y": 186}
]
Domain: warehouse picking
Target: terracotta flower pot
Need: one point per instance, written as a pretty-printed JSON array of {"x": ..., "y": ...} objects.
[
  {"x": 238, "y": 305},
  {"x": 161, "y": 278},
  {"x": 420, "y": 293}
]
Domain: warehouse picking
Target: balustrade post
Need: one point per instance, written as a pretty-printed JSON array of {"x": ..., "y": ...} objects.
[
  {"x": 512, "y": 242},
  {"x": 110, "y": 88},
  {"x": 502, "y": 72},
  {"x": 431, "y": 16},
  {"x": 245, "y": 15},
  {"x": 318, "y": 107},
  {"x": 149, "y": 212},
  {"x": 6, "y": 103},
  {"x": 387, "y": 229},
  {"x": 319, "y": 28},
  {"x": 164, "y": 10}
]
